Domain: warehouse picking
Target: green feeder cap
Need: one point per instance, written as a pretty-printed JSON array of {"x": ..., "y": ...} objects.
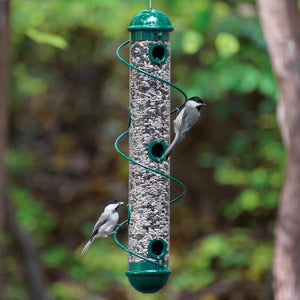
[{"x": 150, "y": 19}]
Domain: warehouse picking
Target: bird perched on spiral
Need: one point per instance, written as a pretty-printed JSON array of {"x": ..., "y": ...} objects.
[
  {"x": 106, "y": 223},
  {"x": 184, "y": 121}
]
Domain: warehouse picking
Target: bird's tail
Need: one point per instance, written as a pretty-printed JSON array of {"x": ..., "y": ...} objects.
[
  {"x": 87, "y": 245},
  {"x": 170, "y": 148}
]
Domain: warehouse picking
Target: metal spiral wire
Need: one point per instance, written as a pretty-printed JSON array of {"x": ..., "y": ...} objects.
[{"x": 141, "y": 165}]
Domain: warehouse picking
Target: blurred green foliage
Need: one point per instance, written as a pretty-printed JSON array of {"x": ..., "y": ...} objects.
[
  {"x": 69, "y": 98},
  {"x": 235, "y": 255},
  {"x": 31, "y": 215},
  {"x": 47, "y": 38}
]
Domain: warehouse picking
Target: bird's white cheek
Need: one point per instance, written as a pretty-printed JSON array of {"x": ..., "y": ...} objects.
[{"x": 192, "y": 104}]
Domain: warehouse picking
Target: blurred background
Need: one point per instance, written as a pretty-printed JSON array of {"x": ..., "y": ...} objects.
[{"x": 68, "y": 103}]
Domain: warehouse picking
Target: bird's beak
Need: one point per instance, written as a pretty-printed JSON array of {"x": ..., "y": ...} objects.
[
  {"x": 203, "y": 104},
  {"x": 121, "y": 203}
]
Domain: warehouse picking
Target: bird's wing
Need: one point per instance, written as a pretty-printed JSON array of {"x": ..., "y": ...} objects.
[
  {"x": 189, "y": 118},
  {"x": 102, "y": 219}
]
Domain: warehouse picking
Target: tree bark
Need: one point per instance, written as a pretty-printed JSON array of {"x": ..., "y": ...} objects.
[
  {"x": 281, "y": 25},
  {"x": 4, "y": 62},
  {"x": 34, "y": 276}
]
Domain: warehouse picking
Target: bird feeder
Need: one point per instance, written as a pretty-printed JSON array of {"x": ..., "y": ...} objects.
[{"x": 149, "y": 133}]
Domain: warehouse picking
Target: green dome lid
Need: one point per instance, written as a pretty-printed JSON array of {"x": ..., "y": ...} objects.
[{"x": 150, "y": 19}]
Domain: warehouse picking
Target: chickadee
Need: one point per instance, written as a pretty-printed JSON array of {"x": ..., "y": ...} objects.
[
  {"x": 106, "y": 223},
  {"x": 184, "y": 121}
]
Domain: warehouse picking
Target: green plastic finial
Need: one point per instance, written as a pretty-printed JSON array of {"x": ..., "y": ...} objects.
[{"x": 150, "y": 24}]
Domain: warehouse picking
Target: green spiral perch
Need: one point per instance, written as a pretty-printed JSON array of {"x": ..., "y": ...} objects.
[{"x": 149, "y": 134}]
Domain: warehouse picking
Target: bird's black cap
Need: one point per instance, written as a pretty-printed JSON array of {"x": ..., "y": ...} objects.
[
  {"x": 110, "y": 202},
  {"x": 197, "y": 99}
]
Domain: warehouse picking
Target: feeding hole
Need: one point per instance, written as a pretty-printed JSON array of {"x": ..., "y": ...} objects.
[
  {"x": 156, "y": 150},
  {"x": 158, "y": 53},
  {"x": 157, "y": 248}
]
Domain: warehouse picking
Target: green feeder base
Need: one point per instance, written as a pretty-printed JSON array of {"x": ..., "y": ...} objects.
[{"x": 145, "y": 278}]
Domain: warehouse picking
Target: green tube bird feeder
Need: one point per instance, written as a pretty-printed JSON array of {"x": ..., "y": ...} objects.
[{"x": 149, "y": 132}]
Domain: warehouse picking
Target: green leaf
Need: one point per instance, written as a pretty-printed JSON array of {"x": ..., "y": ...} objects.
[
  {"x": 249, "y": 200},
  {"x": 66, "y": 290},
  {"x": 55, "y": 256},
  {"x": 47, "y": 38},
  {"x": 221, "y": 10},
  {"x": 233, "y": 258},
  {"x": 28, "y": 84},
  {"x": 261, "y": 258},
  {"x": 213, "y": 245},
  {"x": 271, "y": 200},
  {"x": 29, "y": 212},
  {"x": 19, "y": 161},
  {"x": 191, "y": 41},
  {"x": 227, "y": 44},
  {"x": 259, "y": 178},
  {"x": 230, "y": 175}
]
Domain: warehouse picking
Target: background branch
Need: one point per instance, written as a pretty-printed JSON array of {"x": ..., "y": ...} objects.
[{"x": 29, "y": 258}]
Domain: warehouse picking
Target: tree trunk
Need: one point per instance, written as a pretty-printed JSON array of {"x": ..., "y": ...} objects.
[
  {"x": 34, "y": 276},
  {"x": 4, "y": 34},
  {"x": 281, "y": 24}
]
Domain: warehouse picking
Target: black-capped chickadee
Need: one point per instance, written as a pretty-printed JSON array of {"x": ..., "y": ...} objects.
[
  {"x": 184, "y": 121},
  {"x": 106, "y": 223}
]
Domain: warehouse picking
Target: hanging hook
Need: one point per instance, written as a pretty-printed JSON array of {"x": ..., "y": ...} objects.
[{"x": 150, "y": 4}]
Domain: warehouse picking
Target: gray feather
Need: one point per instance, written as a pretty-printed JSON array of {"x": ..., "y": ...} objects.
[
  {"x": 170, "y": 148},
  {"x": 183, "y": 124},
  {"x": 87, "y": 245},
  {"x": 102, "y": 219},
  {"x": 189, "y": 119}
]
